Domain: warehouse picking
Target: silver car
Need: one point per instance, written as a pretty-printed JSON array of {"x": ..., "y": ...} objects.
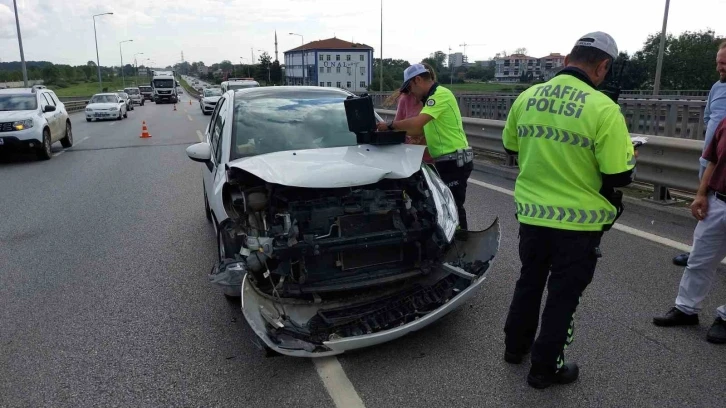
[
  {"x": 135, "y": 95},
  {"x": 127, "y": 98}
]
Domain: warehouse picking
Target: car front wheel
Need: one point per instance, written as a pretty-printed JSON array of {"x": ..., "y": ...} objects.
[
  {"x": 67, "y": 141},
  {"x": 44, "y": 152}
]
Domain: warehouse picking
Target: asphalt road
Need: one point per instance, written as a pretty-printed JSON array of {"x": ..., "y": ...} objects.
[{"x": 104, "y": 300}]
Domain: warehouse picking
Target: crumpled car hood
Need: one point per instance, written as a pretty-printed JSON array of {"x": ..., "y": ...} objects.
[{"x": 336, "y": 166}]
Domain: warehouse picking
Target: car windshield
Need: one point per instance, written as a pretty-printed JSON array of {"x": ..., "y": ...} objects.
[
  {"x": 212, "y": 92},
  {"x": 164, "y": 83},
  {"x": 18, "y": 102},
  {"x": 132, "y": 91},
  {"x": 241, "y": 86},
  {"x": 289, "y": 120},
  {"x": 123, "y": 95},
  {"x": 103, "y": 99}
]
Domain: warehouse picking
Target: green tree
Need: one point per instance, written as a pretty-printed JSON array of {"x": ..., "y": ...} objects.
[
  {"x": 689, "y": 60},
  {"x": 276, "y": 72},
  {"x": 265, "y": 66},
  {"x": 50, "y": 74}
]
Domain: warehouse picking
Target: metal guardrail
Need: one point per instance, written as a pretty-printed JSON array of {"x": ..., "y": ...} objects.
[
  {"x": 75, "y": 106},
  {"x": 666, "y": 117},
  {"x": 664, "y": 162}
]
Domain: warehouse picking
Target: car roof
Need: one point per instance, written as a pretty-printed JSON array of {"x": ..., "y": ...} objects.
[
  {"x": 107, "y": 93},
  {"x": 289, "y": 91},
  {"x": 16, "y": 91}
]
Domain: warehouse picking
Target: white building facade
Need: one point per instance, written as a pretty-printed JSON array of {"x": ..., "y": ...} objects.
[
  {"x": 457, "y": 59},
  {"x": 330, "y": 63}
]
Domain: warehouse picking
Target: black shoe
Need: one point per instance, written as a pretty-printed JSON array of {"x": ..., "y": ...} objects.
[
  {"x": 565, "y": 375},
  {"x": 514, "y": 358},
  {"x": 675, "y": 317},
  {"x": 717, "y": 332},
  {"x": 682, "y": 259}
]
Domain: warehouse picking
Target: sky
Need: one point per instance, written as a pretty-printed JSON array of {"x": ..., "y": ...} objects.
[{"x": 214, "y": 30}]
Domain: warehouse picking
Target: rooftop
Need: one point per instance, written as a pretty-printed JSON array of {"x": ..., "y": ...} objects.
[{"x": 332, "y": 44}]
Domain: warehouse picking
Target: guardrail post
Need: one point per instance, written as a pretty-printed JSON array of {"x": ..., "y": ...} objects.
[
  {"x": 672, "y": 119},
  {"x": 661, "y": 195},
  {"x": 510, "y": 161}
]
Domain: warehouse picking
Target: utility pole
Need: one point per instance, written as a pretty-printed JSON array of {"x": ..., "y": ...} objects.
[
  {"x": 20, "y": 44},
  {"x": 381, "y": 85},
  {"x": 661, "y": 50}
]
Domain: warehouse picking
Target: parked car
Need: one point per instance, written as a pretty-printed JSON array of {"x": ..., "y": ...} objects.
[
  {"x": 135, "y": 95},
  {"x": 106, "y": 106},
  {"x": 33, "y": 119},
  {"x": 208, "y": 100},
  {"x": 332, "y": 244},
  {"x": 146, "y": 92},
  {"x": 123, "y": 95}
]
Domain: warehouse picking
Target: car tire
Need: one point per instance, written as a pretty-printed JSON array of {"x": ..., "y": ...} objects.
[
  {"x": 67, "y": 141},
  {"x": 44, "y": 152}
]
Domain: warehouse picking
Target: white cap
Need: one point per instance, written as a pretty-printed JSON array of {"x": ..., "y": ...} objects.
[
  {"x": 410, "y": 73},
  {"x": 602, "y": 41}
]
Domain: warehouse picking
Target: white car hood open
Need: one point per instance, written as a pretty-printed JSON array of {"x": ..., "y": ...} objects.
[{"x": 336, "y": 166}]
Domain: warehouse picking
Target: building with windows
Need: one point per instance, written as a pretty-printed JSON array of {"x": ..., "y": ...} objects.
[
  {"x": 457, "y": 60},
  {"x": 330, "y": 63},
  {"x": 512, "y": 67}
]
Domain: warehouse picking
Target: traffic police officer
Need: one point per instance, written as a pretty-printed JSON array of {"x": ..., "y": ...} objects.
[
  {"x": 574, "y": 148},
  {"x": 440, "y": 122}
]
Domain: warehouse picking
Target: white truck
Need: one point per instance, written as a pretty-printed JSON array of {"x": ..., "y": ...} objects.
[{"x": 163, "y": 84}]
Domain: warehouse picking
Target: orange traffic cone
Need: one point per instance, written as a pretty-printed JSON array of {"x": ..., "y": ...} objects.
[{"x": 144, "y": 131}]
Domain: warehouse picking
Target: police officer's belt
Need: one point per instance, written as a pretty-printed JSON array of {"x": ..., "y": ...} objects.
[{"x": 462, "y": 156}]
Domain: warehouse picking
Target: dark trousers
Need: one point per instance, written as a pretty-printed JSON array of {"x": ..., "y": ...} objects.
[
  {"x": 568, "y": 258},
  {"x": 456, "y": 179}
]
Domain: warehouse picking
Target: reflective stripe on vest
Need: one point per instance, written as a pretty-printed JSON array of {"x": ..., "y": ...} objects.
[
  {"x": 555, "y": 134},
  {"x": 571, "y": 215}
]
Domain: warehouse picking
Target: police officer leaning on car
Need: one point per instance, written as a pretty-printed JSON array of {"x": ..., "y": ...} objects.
[
  {"x": 574, "y": 148},
  {"x": 440, "y": 122}
]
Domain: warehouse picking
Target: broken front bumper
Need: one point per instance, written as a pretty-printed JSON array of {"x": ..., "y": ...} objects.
[{"x": 481, "y": 245}]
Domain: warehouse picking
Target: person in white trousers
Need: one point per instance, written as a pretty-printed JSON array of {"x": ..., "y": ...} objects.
[{"x": 709, "y": 244}]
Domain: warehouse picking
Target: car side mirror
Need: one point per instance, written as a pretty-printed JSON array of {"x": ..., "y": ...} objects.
[
  {"x": 49, "y": 108},
  {"x": 200, "y": 152}
]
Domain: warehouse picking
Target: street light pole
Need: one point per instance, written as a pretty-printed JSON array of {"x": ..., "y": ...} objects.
[
  {"x": 661, "y": 51},
  {"x": 98, "y": 62},
  {"x": 136, "y": 63},
  {"x": 20, "y": 44},
  {"x": 303, "y": 55},
  {"x": 123, "y": 76}
]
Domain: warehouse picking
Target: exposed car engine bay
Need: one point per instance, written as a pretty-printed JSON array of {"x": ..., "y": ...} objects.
[{"x": 331, "y": 263}]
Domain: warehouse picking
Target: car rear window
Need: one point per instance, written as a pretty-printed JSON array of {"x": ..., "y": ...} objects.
[
  {"x": 18, "y": 102},
  {"x": 145, "y": 88},
  {"x": 132, "y": 91},
  {"x": 103, "y": 99}
]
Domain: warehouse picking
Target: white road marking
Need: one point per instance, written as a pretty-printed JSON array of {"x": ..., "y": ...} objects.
[
  {"x": 58, "y": 154},
  {"x": 618, "y": 226},
  {"x": 201, "y": 137},
  {"x": 190, "y": 118},
  {"x": 337, "y": 384}
]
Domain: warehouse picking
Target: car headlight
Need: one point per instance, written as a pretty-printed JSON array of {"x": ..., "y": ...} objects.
[
  {"x": 23, "y": 124},
  {"x": 447, "y": 215},
  {"x": 113, "y": 109}
]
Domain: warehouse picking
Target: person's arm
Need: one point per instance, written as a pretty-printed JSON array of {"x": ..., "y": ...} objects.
[
  {"x": 510, "y": 139},
  {"x": 415, "y": 125},
  {"x": 707, "y": 111},
  {"x": 699, "y": 207},
  {"x": 614, "y": 150}
]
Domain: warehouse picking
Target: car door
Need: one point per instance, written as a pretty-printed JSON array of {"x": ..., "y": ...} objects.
[
  {"x": 50, "y": 117},
  {"x": 61, "y": 114},
  {"x": 215, "y": 176}
]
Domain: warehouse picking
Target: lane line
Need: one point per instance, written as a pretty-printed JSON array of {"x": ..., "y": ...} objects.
[
  {"x": 58, "y": 154},
  {"x": 618, "y": 226},
  {"x": 337, "y": 384},
  {"x": 190, "y": 118},
  {"x": 201, "y": 137}
]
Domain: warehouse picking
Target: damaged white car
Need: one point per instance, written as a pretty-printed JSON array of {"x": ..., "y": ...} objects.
[{"x": 332, "y": 244}]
